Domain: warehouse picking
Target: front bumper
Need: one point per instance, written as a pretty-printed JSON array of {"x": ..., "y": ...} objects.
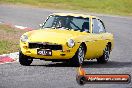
[{"x": 66, "y": 53}]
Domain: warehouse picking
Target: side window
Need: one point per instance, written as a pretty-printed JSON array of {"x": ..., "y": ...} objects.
[
  {"x": 102, "y": 27},
  {"x": 98, "y": 26},
  {"x": 95, "y": 26}
]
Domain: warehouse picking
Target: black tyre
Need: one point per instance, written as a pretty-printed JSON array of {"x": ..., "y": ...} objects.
[
  {"x": 105, "y": 57},
  {"x": 24, "y": 60},
  {"x": 78, "y": 58}
]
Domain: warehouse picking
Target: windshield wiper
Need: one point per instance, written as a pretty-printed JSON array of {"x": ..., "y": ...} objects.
[
  {"x": 63, "y": 28},
  {"x": 58, "y": 28},
  {"x": 51, "y": 27}
]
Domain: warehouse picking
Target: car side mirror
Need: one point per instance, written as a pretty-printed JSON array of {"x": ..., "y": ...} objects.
[{"x": 40, "y": 25}]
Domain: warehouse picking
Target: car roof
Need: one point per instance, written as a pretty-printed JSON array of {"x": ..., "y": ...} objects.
[{"x": 74, "y": 15}]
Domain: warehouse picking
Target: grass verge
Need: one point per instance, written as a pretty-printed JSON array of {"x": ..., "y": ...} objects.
[
  {"x": 9, "y": 39},
  {"x": 118, "y": 7}
]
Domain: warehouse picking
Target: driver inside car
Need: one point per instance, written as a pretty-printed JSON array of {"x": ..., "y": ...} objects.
[
  {"x": 61, "y": 23},
  {"x": 85, "y": 27}
]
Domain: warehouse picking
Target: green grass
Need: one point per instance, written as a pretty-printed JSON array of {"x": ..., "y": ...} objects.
[
  {"x": 118, "y": 7},
  {"x": 7, "y": 47},
  {"x": 9, "y": 39}
]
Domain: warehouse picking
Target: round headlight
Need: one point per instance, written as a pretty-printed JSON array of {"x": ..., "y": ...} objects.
[
  {"x": 71, "y": 43},
  {"x": 24, "y": 38}
]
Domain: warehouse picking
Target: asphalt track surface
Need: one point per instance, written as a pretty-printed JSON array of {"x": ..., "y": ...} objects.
[{"x": 43, "y": 74}]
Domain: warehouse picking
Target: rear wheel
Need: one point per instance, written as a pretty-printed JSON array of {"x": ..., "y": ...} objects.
[
  {"x": 24, "y": 60},
  {"x": 105, "y": 57},
  {"x": 78, "y": 58}
]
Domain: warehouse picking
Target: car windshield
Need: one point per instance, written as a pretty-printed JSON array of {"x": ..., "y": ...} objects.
[{"x": 67, "y": 22}]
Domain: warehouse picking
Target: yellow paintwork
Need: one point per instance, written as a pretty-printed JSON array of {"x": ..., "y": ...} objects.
[{"x": 95, "y": 43}]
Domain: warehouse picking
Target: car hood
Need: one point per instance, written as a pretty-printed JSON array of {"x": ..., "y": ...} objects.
[{"x": 53, "y": 35}]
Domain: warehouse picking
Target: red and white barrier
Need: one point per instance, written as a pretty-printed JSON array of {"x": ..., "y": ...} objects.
[{"x": 9, "y": 58}]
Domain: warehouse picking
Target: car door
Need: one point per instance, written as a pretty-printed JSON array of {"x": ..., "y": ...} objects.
[{"x": 93, "y": 40}]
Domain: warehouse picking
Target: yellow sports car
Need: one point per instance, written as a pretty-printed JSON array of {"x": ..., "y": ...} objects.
[{"x": 67, "y": 37}]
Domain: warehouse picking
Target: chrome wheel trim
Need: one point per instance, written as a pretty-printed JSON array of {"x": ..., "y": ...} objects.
[{"x": 80, "y": 55}]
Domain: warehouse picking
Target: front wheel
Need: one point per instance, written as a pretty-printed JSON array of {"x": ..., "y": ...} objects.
[
  {"x": 24, "y": 60},
  {"x": 78, "y": 58},
  {"x": 105, "y": 57}
]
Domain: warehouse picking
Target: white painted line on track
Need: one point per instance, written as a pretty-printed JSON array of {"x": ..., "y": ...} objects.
[{"x": 20, "y": 27}]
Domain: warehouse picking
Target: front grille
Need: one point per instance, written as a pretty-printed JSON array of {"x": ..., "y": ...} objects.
[{"x": 45, "y": 46}]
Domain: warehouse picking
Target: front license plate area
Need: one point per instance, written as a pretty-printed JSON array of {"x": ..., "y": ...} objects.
[{"x": 44, "y": 52}]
